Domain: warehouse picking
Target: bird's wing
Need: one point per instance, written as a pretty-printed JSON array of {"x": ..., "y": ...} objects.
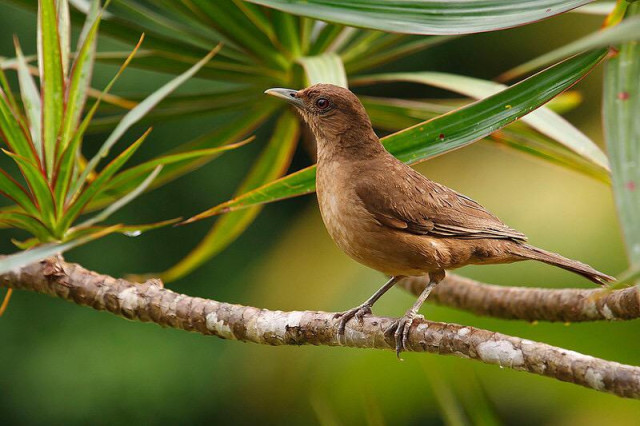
[{"x": 412, "y": 203}]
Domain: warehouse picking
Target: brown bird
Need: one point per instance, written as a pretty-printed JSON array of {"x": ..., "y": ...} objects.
[{"x": 391, "y": 218}]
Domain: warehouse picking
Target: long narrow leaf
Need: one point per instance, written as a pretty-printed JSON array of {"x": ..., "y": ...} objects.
[
  {"x": 4, "y": 85},
  {"x": 92, "y": 10},
  {"x": 325, "y": 37},
  {"x": 544, "y": 120},
  {"x": 130, "y": 177},
  {"x": 14, "y": 191},
  {"x": 427, "y": 16},
  {"x": 65, "y": 173},
  {"x": 445, "y": 133},
  {"x": 12, "y": 131},
  {"x": 139, "y": 111},
  {"x": 288, "y": 32},
  {"x": 26, "y": 222},
  {"x": 128, "y": 230},
  {"x": 30, "y": 100},
  {"x": 599, "y": 8},
  {"x": 221, "y": 137},
  {"x": 117, "y": 205},
  {"x": 627, "y": 30},
  {"x": 98, "y": 184},
  {"x": 398, "y": 47},
  {"x": 325, "y": 68},
  {"x": 622, "y": 132},
  {"x": 397, "y": 114},
  {"x": 259, "y": 19},
  {"x": 51, "y": 80},
  {"x": 226, "y": 18},
  {"x": 64, "y": 32},
  {"x": 23, "y": 258},
  {"x": 39, "y": 187},
  {"x": 79, "y": 83},
  {"x": 272, "y": 163}
]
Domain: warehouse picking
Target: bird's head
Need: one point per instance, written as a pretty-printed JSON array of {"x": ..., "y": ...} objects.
[{"x": 334, "y": 114}]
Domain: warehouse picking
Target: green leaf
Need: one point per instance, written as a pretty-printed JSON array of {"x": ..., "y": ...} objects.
[
  {"x": 219, "y": 70},
  {"x": 397, "y": 114},
  {"x": 4, "y": 85},
  {"x": 64, "y": 175},
  {"x": 627, "y": 30},
  {"x": 544, "y": 120},
  {"x": 117, "y": 205},
  {"x": 259, "y": 19},
  {"x": 136, "y": 230},
  {"x": 427, "y": 16},
  {"x": 64, "y": 32},
  {"x": 139, "y": 111},
  {"x": 288, "y": 32},
  {"x": 147, "y": 17},
  {"x": 445, "y": 133},
  {"x": 92, "y": 10},
  {"x": 27, "y": 222},
  {"x": 39, "y": 186},
  {"x": 128, "y": 230},
  {"x": 389, "y": 49},
  {"x": 221, "y": 136},
  {"x": 23, "y": 258},
  {"x": 526, "y": 140},
  {"x": 178, "y": 106},
  {"x": 325, "y": 68},
  {"x": 51, "y": 80},
  {"x": 621, "y": 108},
  {"x": 131, "y": 177},
  {"x": 14, "y": 191},
  {"x": 12, "y": 131},
  {"x": 98, "y": 184},
  {"x": 79, "y": 83},
  {"x": 325, "y": 38},
  {"x": 272, "y": 163},
  {"x": 30, "y": 100},
  {"x": 228, "y": 20},
  {"x": 599, "y": 8}
]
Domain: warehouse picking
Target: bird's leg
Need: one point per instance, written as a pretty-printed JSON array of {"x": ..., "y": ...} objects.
[
  {"x": 402, "y": 326},
  {"x": 365, "y": 308}
]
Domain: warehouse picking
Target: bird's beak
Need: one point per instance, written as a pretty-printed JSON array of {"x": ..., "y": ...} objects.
[{"x": 288, "y": 95}]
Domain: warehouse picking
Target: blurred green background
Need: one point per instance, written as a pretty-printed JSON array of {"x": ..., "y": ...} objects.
[{"x": 62, "y": 364}]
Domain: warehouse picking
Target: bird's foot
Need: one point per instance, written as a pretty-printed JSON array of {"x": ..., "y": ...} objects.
[
  {"x": 358, "y": 312},
  {"x": 400, "y": 329}
]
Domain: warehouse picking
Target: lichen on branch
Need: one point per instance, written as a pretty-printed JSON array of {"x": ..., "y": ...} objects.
[
  {"x": 531, "y": 304},
  {"x": 150, "y": 302}
]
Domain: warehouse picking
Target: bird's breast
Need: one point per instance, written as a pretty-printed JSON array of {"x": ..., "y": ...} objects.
[
  {"x": 353, "y": 228},
  {"x": 339, "y": 204}
]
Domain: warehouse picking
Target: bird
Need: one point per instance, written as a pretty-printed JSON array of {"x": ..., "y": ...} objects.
[{"x": 391, "y": 218}]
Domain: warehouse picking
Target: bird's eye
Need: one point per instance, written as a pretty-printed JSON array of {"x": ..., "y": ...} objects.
[{"x": 322, "y": 103}]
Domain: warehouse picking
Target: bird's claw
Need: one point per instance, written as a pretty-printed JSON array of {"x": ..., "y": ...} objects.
[
  {"x": 400, "y": 329},
  {"x": 358, "y": 312}
]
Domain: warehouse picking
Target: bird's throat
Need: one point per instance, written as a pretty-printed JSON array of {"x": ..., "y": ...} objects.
[{"x": 348, "y": 146}]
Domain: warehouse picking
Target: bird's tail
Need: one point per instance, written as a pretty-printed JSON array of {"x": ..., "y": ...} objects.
[{"x": 535, "y": 253}]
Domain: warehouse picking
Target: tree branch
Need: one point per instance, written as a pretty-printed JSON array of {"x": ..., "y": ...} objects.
[
  {"x": 150, "y": 302},
  {"x": 531, "y": 304}
]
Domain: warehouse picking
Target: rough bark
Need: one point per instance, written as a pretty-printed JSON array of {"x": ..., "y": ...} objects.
[
  {"x": 531, "y": 304},
  {"x": 150, "y": 302}
]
